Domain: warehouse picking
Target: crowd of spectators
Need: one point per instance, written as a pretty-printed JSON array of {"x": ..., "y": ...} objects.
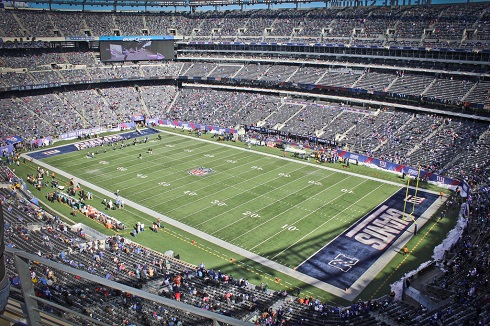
[
  {"x": 453, "y": 147},
  {"x": 29, "y": 228},
  {"x": 210, "y": 107},
  {"x": 415, "y": 25},
  {"x": 458, "y": 282},
  {"x": 435, "y": 141},
  {"x": 430, "y": 85},
  {"x": 462, "y": 284}
]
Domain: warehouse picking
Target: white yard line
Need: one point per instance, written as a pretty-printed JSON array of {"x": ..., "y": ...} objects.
[
  {"x": 303, "y": 162},
  {"x": 189, "y": 185},
  {"x": 331, "y": 218},
  {"x": 284, "y": 211},
  {"x": 200, "y": 234},
  {"x": 259, "y": 175},
  {"x": 270, "y": 204},
  {"x": 240, "y": 251}
]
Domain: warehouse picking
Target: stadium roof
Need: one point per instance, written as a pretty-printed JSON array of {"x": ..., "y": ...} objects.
[{"x": 184, "y": 3}]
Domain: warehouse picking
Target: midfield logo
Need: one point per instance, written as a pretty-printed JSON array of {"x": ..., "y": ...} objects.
[{"x": 201, "y": 171}]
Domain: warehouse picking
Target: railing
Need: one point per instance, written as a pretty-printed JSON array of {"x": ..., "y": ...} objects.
[{"x": 37, "y": 316}]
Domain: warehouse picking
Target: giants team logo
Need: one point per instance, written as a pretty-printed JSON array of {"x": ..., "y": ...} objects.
[{"x": 201, "y": 171}]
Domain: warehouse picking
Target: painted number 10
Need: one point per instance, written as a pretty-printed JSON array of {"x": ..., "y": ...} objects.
[{"x": 290, "y": 227}]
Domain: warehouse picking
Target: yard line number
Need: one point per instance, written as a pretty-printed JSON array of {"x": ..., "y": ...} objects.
[
  {"x": 218, "y": 203},
  {"x": 289, "y": 227},
  {"x": 313, "y": 182},
  {"x": 251, "y": 214}
]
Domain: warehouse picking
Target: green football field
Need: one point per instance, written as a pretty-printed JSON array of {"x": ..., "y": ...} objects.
[{"x": 279, "y": 209}]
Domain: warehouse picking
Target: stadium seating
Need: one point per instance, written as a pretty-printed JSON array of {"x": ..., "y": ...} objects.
[
  {"x": 407, "y": 25},
  {"x": 415, "y": 139},
  {"x": 454, "y": 147}
]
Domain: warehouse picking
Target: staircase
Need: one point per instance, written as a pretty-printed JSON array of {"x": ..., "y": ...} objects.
[
  {"x": 264, "y": 72},
  {"x": 429, "y": 86},
  {"x": 392, "y": 83},
  {"x": 321, "y": 77},
  {"x": 173, "y": 102},
  {"x": 19, "y": 22},
  {"x": 291, "y": 117},
  {"x": 52, "y": 24},
  {"x": 432, "y": 134},
  {"x": 290, "y": 76},
  {"x": 238, "y": 71},
  {"x": 68, "y": 104},
  {"x": 32, "y": 113},
  {"x": 469, "y": 92},
  {"x": 397, "y": 132},
  {"x": 102, "y": 97},
  {"x": 215, "y": 67},
  {"x": 358, "y": 80},
  {"x": 114, "y": 22},
  {"x": 142, "y": 101},
  {"x": 322, "y": 131}
]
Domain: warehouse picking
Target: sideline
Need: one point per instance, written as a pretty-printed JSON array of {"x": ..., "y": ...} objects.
[
  {"x": 240, "y": 251},
  {"x": 350, "y": 295},
  {"x": 401, "y": 185}
]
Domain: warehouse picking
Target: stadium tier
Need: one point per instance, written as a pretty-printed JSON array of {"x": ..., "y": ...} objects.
[
  {"x": 458, "y": 25},
  {"x": 336, "y": 89}
]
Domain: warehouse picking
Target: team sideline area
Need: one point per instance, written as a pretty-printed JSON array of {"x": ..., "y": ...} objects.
[
  {"x": 177, "y": 179},
  {"x": 292, "y": 210}
]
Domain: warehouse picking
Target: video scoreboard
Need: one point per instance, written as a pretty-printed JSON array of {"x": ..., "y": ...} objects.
[{"x": 136, "y": 48}]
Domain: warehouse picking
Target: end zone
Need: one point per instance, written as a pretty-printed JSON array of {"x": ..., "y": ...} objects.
[
  {"x": 89, "y": 143},
  {"x": 355, "y": 255}
]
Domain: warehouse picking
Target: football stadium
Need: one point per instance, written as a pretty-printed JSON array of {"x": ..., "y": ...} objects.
[{"x": 210, "y": 162}]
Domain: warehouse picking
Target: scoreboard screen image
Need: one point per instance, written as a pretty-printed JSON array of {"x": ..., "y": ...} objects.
[{"x": 132, "y": 48}]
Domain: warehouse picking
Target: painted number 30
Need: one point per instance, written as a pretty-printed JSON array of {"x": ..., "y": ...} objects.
[
  {"x": 251, "y": 214},
  {"x": 218, "y": 203}
]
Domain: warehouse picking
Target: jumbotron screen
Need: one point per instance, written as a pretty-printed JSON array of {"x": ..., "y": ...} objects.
[{"x": 136, "y": 48}]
